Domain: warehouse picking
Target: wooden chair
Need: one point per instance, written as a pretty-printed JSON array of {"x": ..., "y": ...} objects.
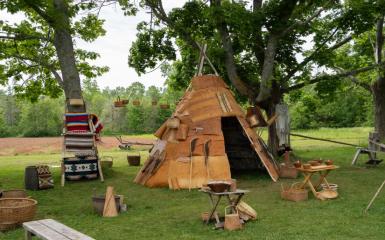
[{"x": 80, "y": 157}]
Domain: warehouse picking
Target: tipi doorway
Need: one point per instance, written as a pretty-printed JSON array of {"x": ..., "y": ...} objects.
[{"x": 241, "y": 155}]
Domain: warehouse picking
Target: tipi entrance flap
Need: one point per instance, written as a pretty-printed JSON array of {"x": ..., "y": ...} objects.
[{"x": 261, "y": 150}]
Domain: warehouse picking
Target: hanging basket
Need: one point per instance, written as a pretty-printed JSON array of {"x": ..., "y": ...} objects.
[
  {"x": 164, "y": 106},
  {"x": 154, "y": 102},
  {"x": 173, "y": 122},
  {"x": 120, "y": 103},
  {"x": 136, "y": 103}
]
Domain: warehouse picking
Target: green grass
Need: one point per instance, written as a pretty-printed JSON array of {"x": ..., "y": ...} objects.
[{"x": 166, "y": 214}]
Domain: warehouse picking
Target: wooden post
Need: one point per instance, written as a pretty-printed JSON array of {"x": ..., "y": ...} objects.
[
  {"x": 109, "y": 204},
  {"x": 374, "y": 197}
]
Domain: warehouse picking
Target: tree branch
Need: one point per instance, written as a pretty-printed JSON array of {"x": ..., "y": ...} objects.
[
  {"x": 22, "y": 37},
  {"x": 229, "y": 53},
  {"x": 379, "y": 39},
  {"x": 364, "y": 85},
  {"x": 317, "y": 51},
  {"x": 301, "y": 23},
  {"x": 333, "y": 76},
  {"x": 39, "y": 11}
]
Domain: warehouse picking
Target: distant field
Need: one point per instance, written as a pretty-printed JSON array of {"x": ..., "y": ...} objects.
[{"x": 166, "y": 214}]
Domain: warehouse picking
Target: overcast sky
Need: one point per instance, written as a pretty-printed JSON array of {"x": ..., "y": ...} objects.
[{"x": 114, "y": 46}]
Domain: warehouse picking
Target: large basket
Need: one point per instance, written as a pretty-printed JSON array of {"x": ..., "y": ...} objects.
[
  {"x": 294, "y": 193},
  {"x": 14, "y": 211}
]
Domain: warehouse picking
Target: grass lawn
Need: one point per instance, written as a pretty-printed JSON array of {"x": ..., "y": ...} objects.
[{"x": 166, "y": 214}]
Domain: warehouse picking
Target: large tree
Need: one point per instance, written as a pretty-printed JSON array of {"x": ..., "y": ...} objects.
[
  {"x": 38, "y": 53},
  {"x": 258, "y": 46},
  {"x": 365, "y": 50}
]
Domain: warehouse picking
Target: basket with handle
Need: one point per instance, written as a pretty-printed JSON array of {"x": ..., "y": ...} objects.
[
  {"x": 294, "y": 193},
  {"x": 232, "y": 220}
]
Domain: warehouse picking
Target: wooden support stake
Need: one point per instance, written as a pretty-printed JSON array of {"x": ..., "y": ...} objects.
[
  {"x": 374, "y": 197},
  {"x": 109, "y": 204}
]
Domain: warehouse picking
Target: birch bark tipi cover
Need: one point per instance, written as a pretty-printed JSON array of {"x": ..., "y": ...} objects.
[{"x": 206, "y": 138}]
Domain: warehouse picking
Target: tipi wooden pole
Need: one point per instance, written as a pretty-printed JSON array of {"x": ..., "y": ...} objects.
[
  {"x": 109, "y": 204},
  {"x": 374, "y": 197}
]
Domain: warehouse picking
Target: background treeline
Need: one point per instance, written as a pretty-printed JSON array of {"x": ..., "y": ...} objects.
[
  {"x": 20, "y": 117},
  {"x": 348, "y": 106}
]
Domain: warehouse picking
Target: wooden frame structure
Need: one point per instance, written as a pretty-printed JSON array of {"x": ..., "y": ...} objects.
[
  {"x": 374, "y": 147},
  {"x": 81, "y": 145}
]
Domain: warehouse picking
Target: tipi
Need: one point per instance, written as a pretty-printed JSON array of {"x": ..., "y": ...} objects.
[{"x": 206, "y": 137}]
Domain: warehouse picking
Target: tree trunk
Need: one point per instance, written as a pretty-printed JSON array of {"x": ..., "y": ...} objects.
[
  {"x": 378, "y": 89},
  {"x": 65, "y": 53},
  {"x": 269, "y": 106}
]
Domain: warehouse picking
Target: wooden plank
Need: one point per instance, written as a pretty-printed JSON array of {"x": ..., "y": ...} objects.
[
  {"x": 65, "y": 230},
  {"x": 43, "y": 232},
  {"x": 318, "y": 168}
]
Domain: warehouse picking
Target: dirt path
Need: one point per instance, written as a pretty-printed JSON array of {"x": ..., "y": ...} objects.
[{"x": 12, "y": 146}]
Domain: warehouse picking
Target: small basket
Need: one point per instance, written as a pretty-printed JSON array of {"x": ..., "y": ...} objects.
[
  {"x": 253, "y": 121},
  {"x": 294, "y": 194},
  {"x": 133, "y": 160},
  {"x": 232, "y": 220},
  {"x": 288, "y": 172},
  {"x": 14, "y": 193},
  {"x": 106, "y": 162},
  {"x": 173, "y": 123}
]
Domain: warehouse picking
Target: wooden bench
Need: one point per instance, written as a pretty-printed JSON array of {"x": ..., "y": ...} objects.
[{"x": 50, "y": 229}]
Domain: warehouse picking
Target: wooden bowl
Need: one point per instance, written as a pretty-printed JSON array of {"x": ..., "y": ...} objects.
[
  {"x": 329, "y": 162},
  {"x": 219, "y": 186},
  {"x": 314, "y": 163},
  {"x": 297, "y": 164},
  {"x": 306, "y": 166}
]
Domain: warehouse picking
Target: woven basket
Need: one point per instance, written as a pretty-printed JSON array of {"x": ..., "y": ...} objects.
[
  {"x": 294, "y": 193},
  {"x": 14, "y": 211},
  {"x": 14, "y": 193}
]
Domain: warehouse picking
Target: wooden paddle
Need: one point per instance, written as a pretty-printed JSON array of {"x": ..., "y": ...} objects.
[
  {"x": 206, "y": 151},
  {"x": 192, "y": 148}
]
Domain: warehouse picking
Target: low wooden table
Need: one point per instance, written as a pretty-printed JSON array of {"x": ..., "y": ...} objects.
[
  {"x": 323, "y": 171},
  {"x": 215, "y": 202},
  {"x": 50, "y": 229}
]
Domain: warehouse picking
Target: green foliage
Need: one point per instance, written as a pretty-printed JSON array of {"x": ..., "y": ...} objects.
[
  {"x": 250, "y": 31},
  {"x": 4, "y": 131},
  {"x": 43, "y": 118},
  {"x": 28, "y": 56},
  {"x": 348, "y": 107}
]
